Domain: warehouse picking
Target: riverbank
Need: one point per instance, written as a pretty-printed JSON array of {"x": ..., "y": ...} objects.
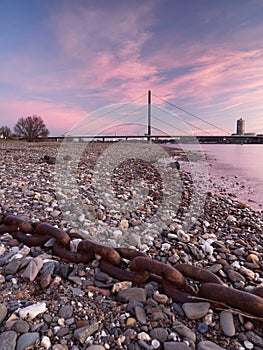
[{"x": 80, "y": 307}]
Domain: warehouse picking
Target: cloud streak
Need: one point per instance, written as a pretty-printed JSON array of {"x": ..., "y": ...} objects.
[{"x": 95, "y": 55}]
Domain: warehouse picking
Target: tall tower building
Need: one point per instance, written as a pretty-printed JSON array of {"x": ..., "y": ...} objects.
[{"x": 240, "y": 126}]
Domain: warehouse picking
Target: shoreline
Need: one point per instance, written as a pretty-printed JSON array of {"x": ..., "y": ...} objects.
[{"x": 225, "y": 238}]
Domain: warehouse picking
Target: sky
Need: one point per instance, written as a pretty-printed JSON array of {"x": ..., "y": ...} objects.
[{"x": 74, "y": 62}]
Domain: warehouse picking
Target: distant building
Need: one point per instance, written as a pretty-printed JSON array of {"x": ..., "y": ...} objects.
[{"x": 240, "y": 126}]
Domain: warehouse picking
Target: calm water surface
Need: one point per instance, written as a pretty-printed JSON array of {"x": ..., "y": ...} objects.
[{"x": 239, "y": 169}]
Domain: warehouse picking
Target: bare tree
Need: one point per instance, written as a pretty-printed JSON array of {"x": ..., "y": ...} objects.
[
  {"x": 5, "y": 131},
  {"x": 31, "y": 128}
]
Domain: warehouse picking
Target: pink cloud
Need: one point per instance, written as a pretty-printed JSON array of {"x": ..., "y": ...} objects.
[{"x": 56, "y": 117}]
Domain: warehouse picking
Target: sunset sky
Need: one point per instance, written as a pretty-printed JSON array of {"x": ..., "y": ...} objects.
[{"x": 64, "y": 59}]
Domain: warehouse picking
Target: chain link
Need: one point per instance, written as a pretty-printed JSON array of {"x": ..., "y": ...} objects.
[{"x": 126, "y": 264}]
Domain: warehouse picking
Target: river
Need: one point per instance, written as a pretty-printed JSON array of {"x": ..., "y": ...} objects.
[{"x": 237, "y": 171}]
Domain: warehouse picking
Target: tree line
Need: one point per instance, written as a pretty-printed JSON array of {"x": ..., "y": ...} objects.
[{"x": 29, "y": 128}]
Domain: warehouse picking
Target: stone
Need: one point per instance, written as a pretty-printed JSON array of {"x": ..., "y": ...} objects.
[
  {"x": 160, "y": 334},
  {"x": 121, "y": 285},
  {"x": 12, "y": 267},
  {"x": 140, "y": 315},
  {"x": 3, "y": 312},
  {"x": 247, "y": 272},
  {"x": 184, "y": 331},
  {"x": 138, "y": 294},
  {"x": 234, "y": 276},
  {"x": 83, "y": 333},
  {"x": 27, "y": 341},
  {"x": 208, "y": 345},
  {"x": 21, "y": 326},
  {"x": 95, "y": 347},
  {"x": 65, "y": 311},
  {"x": 253, "y": 257},
  {"x": 8, "y": 340},
  {"x": 32, "y": 269},
  {"x": 143, "y": 336},
  {"x": 46, "y": 342},
  {"x": 33, "y": 311},
  {"x": 227, "y": 323},
  {"x": 156, "y": 344},
  {"x": 194, "y": 311},
  {"x": 130, "y": 322},
  {"x": 160, "y": 298},
  {"x": 248, "y": 344},
  {"x": 202, "y": 328},
  {"x": 254, "y": 338},
  {"x": 176, "y": 346}
]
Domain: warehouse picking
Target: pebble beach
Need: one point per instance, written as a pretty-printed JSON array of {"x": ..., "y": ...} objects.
[{"x": 83, "y": 308}]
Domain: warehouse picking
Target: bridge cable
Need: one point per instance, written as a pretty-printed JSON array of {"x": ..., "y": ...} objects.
[
  {"x": 184, "y": 121},
  {"x": 188, "y": 134},
  {"x": 107, "y": 113},
  {"x": 189, "y": 113}
]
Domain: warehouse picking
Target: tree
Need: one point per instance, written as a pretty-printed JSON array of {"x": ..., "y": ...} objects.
[
  {"x": 31, "y": 128},
  {"x": 5, "y": 131}
]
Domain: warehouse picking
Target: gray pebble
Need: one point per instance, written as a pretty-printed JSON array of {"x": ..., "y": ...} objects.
[
  {"x": 138, "y": 294},
  {"x": 176, "y": 346},
  {"x": 227, "y": 323},
  {"x": 194, "y": 311},
  {"x": 21, "y": 326},
  {"x": 140, "y": 315},
  {"x": 3, "y": 312},
  {"x": 208, "y": 345},
  {"x": 27, "y": 340},
  {"x": 65, "y": 311},
  {"x": 160, "y": 334},
  {"x": 8, "y": 340}
]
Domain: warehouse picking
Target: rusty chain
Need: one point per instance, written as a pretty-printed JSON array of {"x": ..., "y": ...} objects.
[{"x": 140, "y": 268}]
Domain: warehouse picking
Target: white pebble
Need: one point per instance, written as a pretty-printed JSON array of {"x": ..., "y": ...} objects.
[
  {"x": 32, "y": 311},
  {"x": 143, "y": 336},
  {"x": 165, "y": 246},
  {"x": 156, "y": 344},
  {"x": 248, "y": 344},
  {"x": 46, "y": 343}
]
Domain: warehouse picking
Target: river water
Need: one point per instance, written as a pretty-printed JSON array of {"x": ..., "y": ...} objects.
[{"x": 236, "y": 170}]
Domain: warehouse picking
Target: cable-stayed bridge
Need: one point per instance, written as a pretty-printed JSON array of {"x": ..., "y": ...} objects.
[{"x": 135, "y": 120}]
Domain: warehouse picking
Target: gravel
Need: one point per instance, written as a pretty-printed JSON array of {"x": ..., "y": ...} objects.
[{"x": 48, "y": 303}]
